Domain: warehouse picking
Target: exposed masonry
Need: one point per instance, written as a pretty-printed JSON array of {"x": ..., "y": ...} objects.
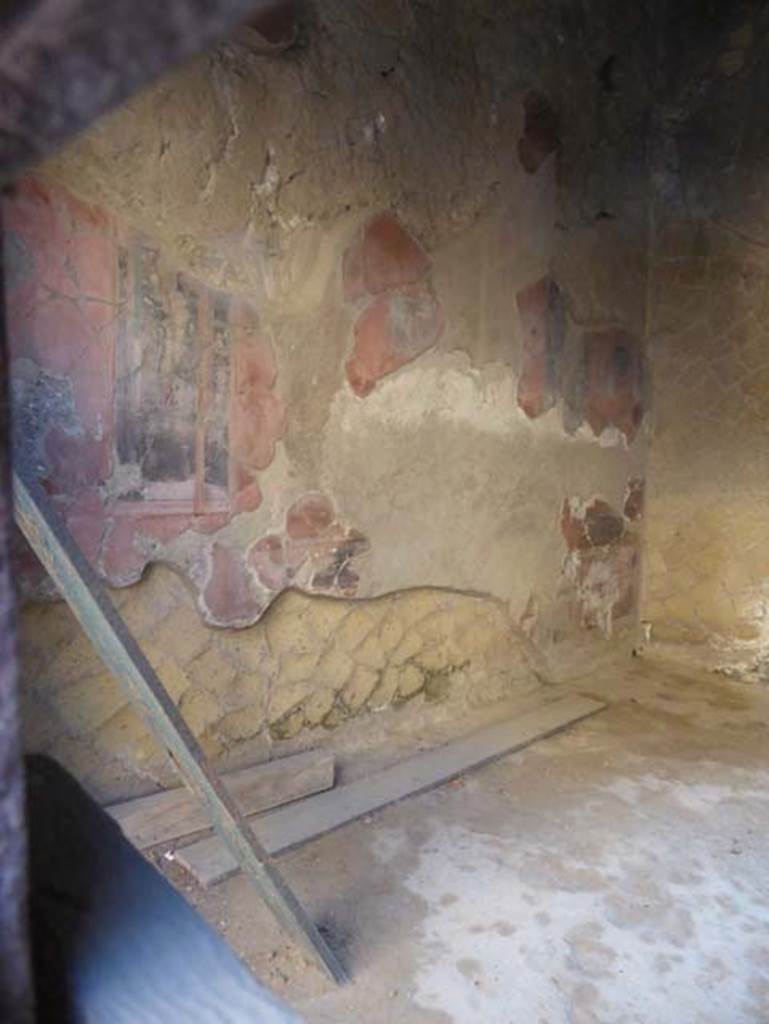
[{"x": 309, "y": 664}]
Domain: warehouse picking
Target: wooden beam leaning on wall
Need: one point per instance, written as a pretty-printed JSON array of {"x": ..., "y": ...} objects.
[{"x": 104, "y": 627}]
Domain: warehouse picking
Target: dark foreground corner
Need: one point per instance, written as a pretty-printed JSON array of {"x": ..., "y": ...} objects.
[{"x": 111, "y": 939}]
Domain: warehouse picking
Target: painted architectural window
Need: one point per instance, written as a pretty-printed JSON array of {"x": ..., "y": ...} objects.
[
  {"x": 144, "y": 400},
  {"x": 172, "y": 387}
]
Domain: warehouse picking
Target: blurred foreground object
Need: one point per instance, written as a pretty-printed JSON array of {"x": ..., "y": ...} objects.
[
  {"x": 112, "y": 940},
  {"x": 64, "y": 62}
]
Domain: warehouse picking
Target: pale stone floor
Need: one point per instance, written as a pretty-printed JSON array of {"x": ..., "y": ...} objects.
[{"x": 615, "y": 874}]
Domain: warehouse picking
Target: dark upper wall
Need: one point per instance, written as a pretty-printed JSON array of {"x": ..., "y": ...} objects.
[{"x": 707, "y": 541}]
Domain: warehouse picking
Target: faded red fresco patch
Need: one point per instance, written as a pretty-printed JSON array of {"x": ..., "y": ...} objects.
[
  {"x": 543, "y": 321},
  {"x": 123, "y": 559},
  {"x": 391, "y": 257},
  {"x": 132, "y": 538},
  {"x": 385, "y": 257},
  {"x": 247, "y": 498},
  {"x": 608, "y": 390},
  {"x": 592, "y": 525},
  {"x": 387, "y": 266},
  {"x": 635, "y": 497},
  {"x": 602, "y": 564},
  {"x": 228, "y": 597},
  {"x": 314, "y": 543},
  {"x": 310, "y": 516},
  {"x": 257, "y": 413},
  {"x": 276, "y": 561},
  {"x": 190, "y": 421},
  {"x": 540, "y": 132},
  {"x": 61, "y": 302},
  {"x": 606, "y": 583},
  {"x": 613, "y": 397},
  {"x": 392, "y": 332}
]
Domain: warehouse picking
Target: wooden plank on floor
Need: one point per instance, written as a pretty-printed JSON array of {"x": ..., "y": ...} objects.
[
  {"x": 210, "y": 861},
  {"x": 176, "y": 813},
  {"x": 102, "y": 624}
]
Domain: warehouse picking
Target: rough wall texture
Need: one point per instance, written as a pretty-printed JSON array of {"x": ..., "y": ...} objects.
[
  {"x": 309, "y": 664},
  {"x": 365, "y": 317},
  {"x": 707, "y": 535}
]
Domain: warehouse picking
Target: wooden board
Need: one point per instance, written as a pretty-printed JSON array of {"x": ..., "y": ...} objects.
[
  {"x": 102, "y": 624},
  {"x": 210, "y": 861},
  {"x": 175, "y": 814}
]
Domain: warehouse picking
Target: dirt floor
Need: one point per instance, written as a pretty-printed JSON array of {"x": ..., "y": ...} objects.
[{"x": 617, "y": 873}]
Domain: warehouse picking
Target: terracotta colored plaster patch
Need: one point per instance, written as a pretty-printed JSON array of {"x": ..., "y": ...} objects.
[
  {"x": 146, "y": 398},
  {"x": 257, "y": 414},
  {"x": 131, "y": 541},
  {"x": 276, "y": 561},
  {"x": 384, "y": 257},
  {"x": 62, "y": 295},
  {"x": 403, "y": 318},
  {"x": 593, "y": 525},
  {"x": 122, "y": 559},
  {"x": 601, "y": 567},
  {"x": 228, "y": 597},
  {"x": 310, "y": 516},
  {"x": 391, "y": 257},
  {"x": 391, "y": 332}
]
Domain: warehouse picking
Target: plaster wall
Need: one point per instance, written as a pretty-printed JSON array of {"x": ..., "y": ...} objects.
[{"x": 365, "y": 322}]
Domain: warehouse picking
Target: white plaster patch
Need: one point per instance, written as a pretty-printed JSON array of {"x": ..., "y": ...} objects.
[
  {"x": 447, "y": 387},
  {"x": 611, "y": 928},
  {"x": 443, "y": 387}
]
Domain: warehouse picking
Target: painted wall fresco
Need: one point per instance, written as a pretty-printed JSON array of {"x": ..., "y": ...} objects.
[
  {"x": 146, "y": 404},
  {"x": 332, "y": 339},
  {"x": 149, "y": 404}
]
